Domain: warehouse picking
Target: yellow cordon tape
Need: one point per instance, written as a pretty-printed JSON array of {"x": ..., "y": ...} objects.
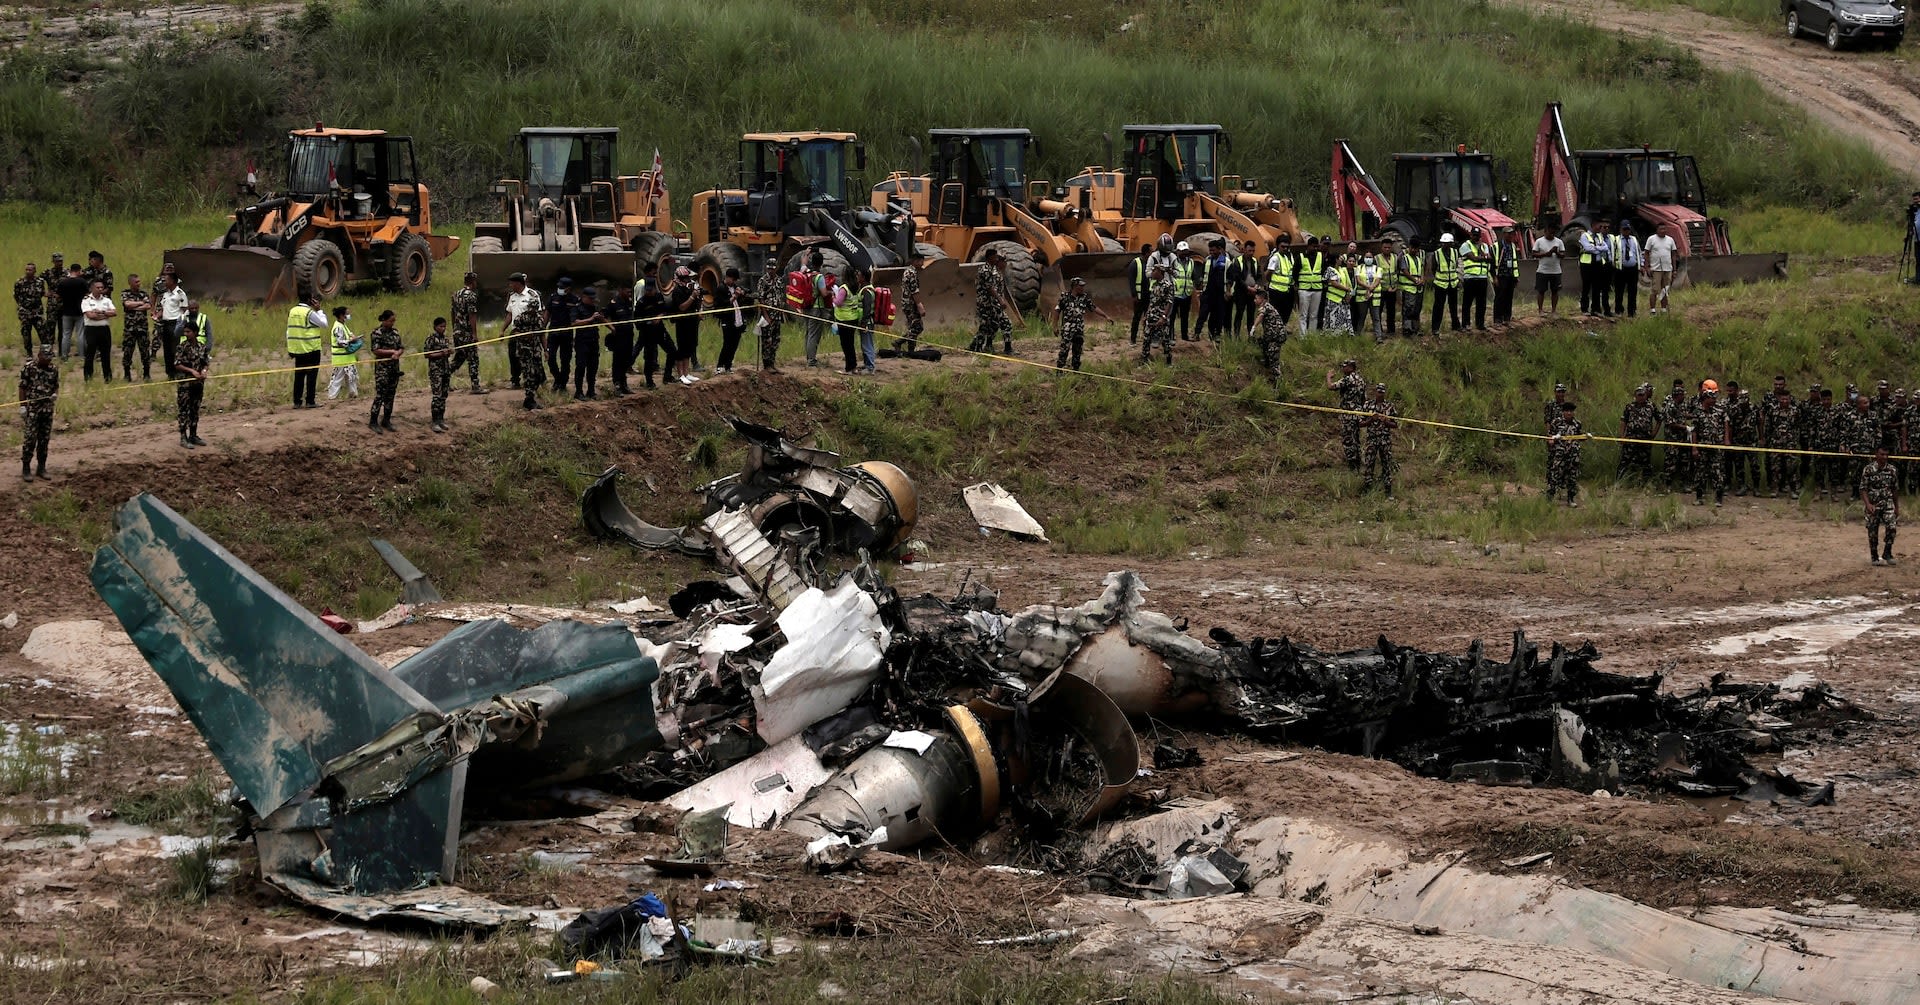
[{"x": 1134, "y": 381}]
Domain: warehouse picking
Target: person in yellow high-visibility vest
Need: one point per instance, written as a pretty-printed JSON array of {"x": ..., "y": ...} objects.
[
  {"x": 1185, "y": 271},
  {"x": 1310, "y": 280},
  {"x": 1446, "y": 283},
  {"x": 1280, "y": 277},
  {"x": 306, "y": 330},
  {"x": 1476, "y": 269},
  {"x": 1410, "y": 280}
]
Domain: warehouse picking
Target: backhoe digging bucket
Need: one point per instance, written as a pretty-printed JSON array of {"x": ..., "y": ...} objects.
[
  {"x": 233, "y": 275},
  {"x": 544, "y": 268},
  {"x": 1109, "y": 277},
  {"x": 946, "y": 288},
  {"x": 1728, "y": 270}
]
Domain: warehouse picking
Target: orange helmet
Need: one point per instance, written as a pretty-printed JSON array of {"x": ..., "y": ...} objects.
[{"x": 1708, "y": 385}]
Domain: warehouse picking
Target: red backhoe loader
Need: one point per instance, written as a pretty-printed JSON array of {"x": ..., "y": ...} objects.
[{"x": 1432, "y": 193}]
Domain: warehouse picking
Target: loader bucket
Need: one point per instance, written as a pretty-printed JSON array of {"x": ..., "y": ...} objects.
[
  {"x": 544, "y": 268},
  {"x": 234, "y": 275},
  {"x": 1109, "y": 277},
  {"x": 946, "y": 288},
  {"x": 1728, "y": 270}
]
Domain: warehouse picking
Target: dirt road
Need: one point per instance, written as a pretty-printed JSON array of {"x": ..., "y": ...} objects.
[{"x": 1871, "y": 98}]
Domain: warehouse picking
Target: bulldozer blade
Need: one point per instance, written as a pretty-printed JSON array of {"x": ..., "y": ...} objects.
[
  {"x": 1109, "y": 277},
  {"x": 1728, "y": 270},
  {"x": 946, "y": 288},
  {"x": 544, "y": 269},
  {"x": 233, "y": 275}
]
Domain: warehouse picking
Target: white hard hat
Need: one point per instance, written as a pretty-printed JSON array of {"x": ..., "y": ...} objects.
[
  {"x": 1182, "y": 246},
  {"x": 1446, "y": 238}
]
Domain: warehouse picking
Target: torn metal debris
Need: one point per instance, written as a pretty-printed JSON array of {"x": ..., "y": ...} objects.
[{"x": 994, "y": 508}]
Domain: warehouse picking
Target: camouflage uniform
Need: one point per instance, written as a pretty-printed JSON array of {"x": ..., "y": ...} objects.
[
  {"x": 439, "y": 373},
  {"x": 1782, "y": 432},
  {"x": 1380, "y": 422},
  {"x": 529, "y": 340},
  {"x": 465, "y": 341},
  {"x": 134, "y": 306},
  {"x": 1640, "y": 420},
  {"x": 30, "y": 303},
  {"x": 1073, "y": 326},
  {"x": 1743, "y": 466},
  {"x": 1879, "y": 485},
  {"x": 50, "y": 317},
  {"x": 1159, "y": 319},
  {"x": 1709, "y": 422},
  {"x": 1272, "y": 328},
  {"x": 910, "y": 308},
  {"x": 989, "y": 293},
  {"x": 386, "y": 377},
  {"x": 1352, "y": 389},
  {"x": 1675, "y": 415},
  {"x": 1823, "y": 434},
  {"x": 102, "y": 275},
  {"x": 39, "y": 388},
  {"x": 772, "y": 294},
  {"x": 1563, "y": 457},
  {"x": 1860, "y": 437},
  {"x": 192, "y": 355}
]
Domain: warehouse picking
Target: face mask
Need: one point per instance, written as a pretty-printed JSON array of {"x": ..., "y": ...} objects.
[{"x": 346, "y": 317}]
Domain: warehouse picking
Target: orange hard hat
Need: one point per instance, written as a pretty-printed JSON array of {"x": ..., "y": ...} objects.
[{"x": 1708, "y": 385}]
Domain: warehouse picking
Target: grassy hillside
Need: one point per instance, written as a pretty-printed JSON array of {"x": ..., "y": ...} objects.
[{"x": 1287, "y": 76}]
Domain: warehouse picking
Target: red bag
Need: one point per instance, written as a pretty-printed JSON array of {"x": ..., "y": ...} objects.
[
  {"x": 882, "y": 307},
  {"x": 799, "y": 290}
]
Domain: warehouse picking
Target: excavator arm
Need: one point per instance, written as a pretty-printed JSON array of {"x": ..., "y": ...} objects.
[
  {"x": 1553, "y": 179},
  {"x": 1355, "y": 192}
]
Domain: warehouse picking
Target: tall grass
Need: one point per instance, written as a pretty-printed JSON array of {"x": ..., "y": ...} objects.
[{"x": 1286, "y": 75}]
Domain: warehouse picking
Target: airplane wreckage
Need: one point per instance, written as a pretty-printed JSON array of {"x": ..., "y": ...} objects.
[{"x": 794, "y": 695}]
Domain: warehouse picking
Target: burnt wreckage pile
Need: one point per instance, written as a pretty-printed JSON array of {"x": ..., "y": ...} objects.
[{"x": 824, "y": 703}]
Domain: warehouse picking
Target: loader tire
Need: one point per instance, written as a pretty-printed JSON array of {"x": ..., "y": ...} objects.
[
  {"x": 486, "y": 246},
  {"x": 605, "y": 243},
  {"x": 319, "y": 269},
  {"x": 653, "y": 247},
  {"x": 1198, "y": 242},
  {"x": 410, "y": 265},
  {"x": 1022, "y": 272},
  {"x": 930, "y": 252},
  {"x": 1111, "y": 246},
  {"x": 713, "y": 260},
  {"x": 830, "y": 261}
]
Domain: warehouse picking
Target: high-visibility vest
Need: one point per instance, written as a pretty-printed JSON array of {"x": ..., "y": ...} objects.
[
  {"x": 1616, "y": 253},
  {"x": 1313, "y": 277},
  {"x": 1336, "y": 295},
  {"x": 1406, "y": 273},
  {"x": 853, "y": 307},
  {"x": 1506, "y": 259},
  {"x": 1183, "y": 278},
  {"x": 344, "y": 357},
  {"x": 1473, "y": 268},
  {"x": 1363, "y": 275},
  {"x": 1280, "y": 273},
  {"x": 1586, "y": 249},
  {"x": 1140, "y": 285},
  {"x": 1446, "y": 269},
  {"x": 301, "y": 338}
]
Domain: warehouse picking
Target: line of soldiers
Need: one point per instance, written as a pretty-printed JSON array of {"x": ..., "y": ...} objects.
[
  {"x": 1857, "y": 425},
  {"x": 50, "y": 305}
]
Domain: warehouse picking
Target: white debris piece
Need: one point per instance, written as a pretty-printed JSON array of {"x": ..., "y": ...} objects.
[
  {"x": 834, "y": 646},
  {"x": 910, "y": 739},
  {"x": 996, "y": 509},
  {"x": 762, "y": 789},
  {"x": 638, "y": 605}
]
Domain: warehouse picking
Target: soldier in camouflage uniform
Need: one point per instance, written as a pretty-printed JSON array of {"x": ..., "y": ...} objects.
[
  {"x": 1563, "y": 455},
  {"x": 30, "y": 303},
  {"x": 1859, "y": 436},
  {"x": 1159, "y": 316},
  {"x": 97, "y": 272},
  {"x": 990, "y": 306},
  {"x": 387, "y": 350},
  {"x": 465, "y": 307},
  {"x": 439, "y": 352},
  {"x": 50, "y": 317},
  {"x": 39, "y": 391},
  {"x": 1806, "y": 432},
  {"x": 526, "y": 310},
  {"x": 914, "y": 311},
  {"x": 135, "y": 305},
  {"x": 1352, "y": 389},
  {"x": 1824, "y": 427},
  {"x": 1893, "y": 435},
  {"x": 1771, "y": 419},
  {"x": 1270, "y": 327},
  {"x": 1070, "y": 320},
  {"x": 1879, "y": 486},
  {"x": 1638, "y": 421},
  {"x": 771, "y": 294},
  {"x": 1781, "y": 432},
  {"x": 1380, "y": 424},
  {"x": 1550, "y": 415},
  {"x": 1708, "y": 417},
  {"x": 1675, "y": 416},
  {"x": 1743, "y": 426},
  {"x": 190, "y": 370}
]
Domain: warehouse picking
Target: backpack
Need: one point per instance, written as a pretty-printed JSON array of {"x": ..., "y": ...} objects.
[
  {"x": 825, "y": 282},
  {"x": 882, "y": 307},
  {"x": 799, "y": 290}
]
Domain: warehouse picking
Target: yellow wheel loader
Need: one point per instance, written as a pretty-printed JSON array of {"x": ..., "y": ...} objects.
[{"x": 353, "y": 209}]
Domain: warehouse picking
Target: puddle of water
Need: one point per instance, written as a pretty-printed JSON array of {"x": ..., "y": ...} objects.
[
  {"x": 1810, "y": 639},
  {"x": 64, "y": 828}
]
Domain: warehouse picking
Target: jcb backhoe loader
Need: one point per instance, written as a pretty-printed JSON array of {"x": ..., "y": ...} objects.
[
  {"x": 353, "y": 209},
  {"x": 1432, "y": 193}
]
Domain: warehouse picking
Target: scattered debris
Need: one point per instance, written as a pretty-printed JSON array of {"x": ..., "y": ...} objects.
[
  {"x": 994, "y": 508},
  {"x": 1528, "y": 861},
  {"x": 415, "y": 587}
]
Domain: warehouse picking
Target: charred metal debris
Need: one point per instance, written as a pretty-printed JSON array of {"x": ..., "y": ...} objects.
[{"x": 826, "y": 704}]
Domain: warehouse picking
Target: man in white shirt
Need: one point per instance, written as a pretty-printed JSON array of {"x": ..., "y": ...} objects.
[
  {"x": 96, "y": 337},
  {"x": 524, "y": 316},
  {"x": 172, "y": 303},
  {"x": 1657, "y": 259},
  {"x": 1548, "y": 251}
]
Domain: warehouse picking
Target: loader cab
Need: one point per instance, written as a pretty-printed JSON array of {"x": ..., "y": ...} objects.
[
  {"x": 787, "y": 174},
  {"x": 1617, "y": 181},
  {"x": 973, "y": 167},
  {"x": 562, "y": 163},
  {"x": 367, "y": 173},
  {"x": 1427, "y": 187},
  {"x": 1164, "y": 164}
]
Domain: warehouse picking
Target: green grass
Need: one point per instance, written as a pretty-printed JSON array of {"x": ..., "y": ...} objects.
[
  {"x": 192, "y": 806},
  {"x": 30, "y": 765},
  {"x": 191, "y": 874},
  {"x": 1287, "y": 75}
]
